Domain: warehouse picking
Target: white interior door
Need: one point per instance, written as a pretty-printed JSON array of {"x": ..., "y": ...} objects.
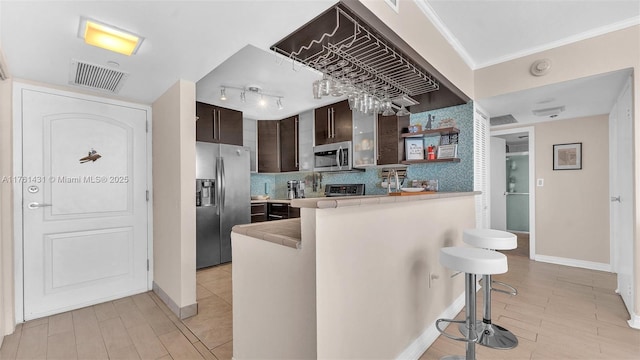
[
  {"x": 621, "y": 190},
  {"x": 498, "y": 180},
  {"x": 84, "y": 201}
]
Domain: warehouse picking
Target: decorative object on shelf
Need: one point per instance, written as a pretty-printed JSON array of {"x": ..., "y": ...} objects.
[
  {"x": 252, "y": 89},
  {"x": 447, "y": 151},
  {"x": 431, "y": 152},
  {"x": 414, "y": 148},
  {"x": 415, "y": 128},
  {"x": 567, "y": 156},
  {"x": 358, "y": 63},
  {"x": 447, "y": 123},
  {"x": 429, "y": 124}
]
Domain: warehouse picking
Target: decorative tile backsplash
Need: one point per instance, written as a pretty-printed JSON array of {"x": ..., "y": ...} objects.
[{"x": 454, "y": 176}]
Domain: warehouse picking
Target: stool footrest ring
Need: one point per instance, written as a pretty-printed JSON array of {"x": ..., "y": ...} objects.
[
  {"x": 457, "y": 338},
  {"x": 513, "y": 291}
]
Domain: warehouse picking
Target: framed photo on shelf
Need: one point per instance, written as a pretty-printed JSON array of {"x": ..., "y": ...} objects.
[
  {"x": 567, "y": 156},
  {"x": 414, "y": 148},
  {"x": 447, "y": 151}
]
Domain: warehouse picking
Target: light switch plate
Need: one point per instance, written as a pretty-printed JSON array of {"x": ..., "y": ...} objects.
[{"x": 540, "y": 182}]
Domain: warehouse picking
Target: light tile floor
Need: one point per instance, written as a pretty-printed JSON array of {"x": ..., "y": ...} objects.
[
  {"x": 559, "y": 313},
  {"x": 135, "y": 327}
]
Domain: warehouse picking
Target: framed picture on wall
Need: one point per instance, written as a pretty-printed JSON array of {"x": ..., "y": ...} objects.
[{"x": 567, "y": 156}]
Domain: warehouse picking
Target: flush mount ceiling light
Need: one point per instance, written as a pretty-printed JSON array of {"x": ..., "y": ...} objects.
[
  {"x": 108, "y": 37},
  {"x": 552, "y": 112}
]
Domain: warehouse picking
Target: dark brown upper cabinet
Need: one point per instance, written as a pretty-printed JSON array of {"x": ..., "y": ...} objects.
[
  {"x": 333, "y": 123},
  {"x": 278, "y": 142},
  {"x": 289, "y": 138},
  {"x": 218, "y": 125},
  {"x": 390, "y": 140}
]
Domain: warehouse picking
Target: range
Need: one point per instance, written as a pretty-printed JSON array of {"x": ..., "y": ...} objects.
[{"x": 333, "y": 190}]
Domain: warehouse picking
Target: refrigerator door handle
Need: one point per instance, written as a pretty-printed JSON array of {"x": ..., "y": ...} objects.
[
  {"x": 223, "y": 184},
  {"x": 218, "y": 187}
]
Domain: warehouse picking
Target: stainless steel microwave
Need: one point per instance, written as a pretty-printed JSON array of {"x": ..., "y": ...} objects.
[{"x": 333, "y": 157}]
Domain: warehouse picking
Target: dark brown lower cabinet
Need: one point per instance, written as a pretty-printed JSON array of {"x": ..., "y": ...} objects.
[
  {"x": 280, "y": 211},
  {"x": 258, "y": 212}
]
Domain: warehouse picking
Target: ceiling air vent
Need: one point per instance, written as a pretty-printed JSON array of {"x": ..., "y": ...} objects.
[
  {"x": 96, "y": 77},
  {"x": 502, "y": 120}
]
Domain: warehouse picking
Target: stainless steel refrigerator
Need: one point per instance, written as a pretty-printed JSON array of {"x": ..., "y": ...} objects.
[{"x": 222, "y": 199}]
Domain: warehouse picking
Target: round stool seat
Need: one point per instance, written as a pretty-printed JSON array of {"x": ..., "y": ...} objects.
[
  {"x": 490, "y": 239},
  {"x": 473, "y": 260}
]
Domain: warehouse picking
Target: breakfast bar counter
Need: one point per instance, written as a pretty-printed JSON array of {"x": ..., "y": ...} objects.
[{"x": 362, "y": 281}]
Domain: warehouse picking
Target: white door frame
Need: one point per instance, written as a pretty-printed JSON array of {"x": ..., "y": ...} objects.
[
  {"x": 17, "y": 186},
  {"x": 532, "y": 181}
]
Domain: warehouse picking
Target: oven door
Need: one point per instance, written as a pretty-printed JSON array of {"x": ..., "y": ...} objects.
[{"x": 332, "y": 157}]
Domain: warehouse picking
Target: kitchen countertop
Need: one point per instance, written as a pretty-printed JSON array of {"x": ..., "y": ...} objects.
[
  {"x": 285, "y": 201},
  {"x": 335, "y": 202},
  {"x": 287, "y": 232},
  {"x": 283, "y": 232}
]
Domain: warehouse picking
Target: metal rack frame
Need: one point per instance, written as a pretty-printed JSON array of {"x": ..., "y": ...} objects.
[{"x": 367, "y": 61}]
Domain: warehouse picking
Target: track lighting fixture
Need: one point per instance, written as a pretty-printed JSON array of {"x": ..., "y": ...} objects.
[{"x": 252, "y": 89}]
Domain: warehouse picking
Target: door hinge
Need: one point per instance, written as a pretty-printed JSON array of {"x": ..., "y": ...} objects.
[
  {"x": 147, "y": 195},
  {"x": 147, "y": 264},
  {"x": 146, "y": 126}
]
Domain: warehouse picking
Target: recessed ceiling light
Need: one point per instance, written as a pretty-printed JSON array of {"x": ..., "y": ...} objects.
[{"x": 108, "y": 37}]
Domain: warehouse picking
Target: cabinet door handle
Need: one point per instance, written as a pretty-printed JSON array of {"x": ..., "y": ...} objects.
[
  {"x": 219, "y": 128},
  {"x": 296, "y": 141},
  {"x": 328, "y": 123},
  {"x": 213, "y": 130},
  {"x": 333, "y": 122},
  {"x": 278, "y": 146}
]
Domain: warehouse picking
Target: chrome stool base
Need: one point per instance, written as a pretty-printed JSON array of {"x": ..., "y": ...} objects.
[
  {"x": 496, "y": 337},
  {"x": 492, "y": 336}
]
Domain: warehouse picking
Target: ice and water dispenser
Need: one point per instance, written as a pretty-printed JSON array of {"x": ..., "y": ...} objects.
[{"x": 205, "y": 193}]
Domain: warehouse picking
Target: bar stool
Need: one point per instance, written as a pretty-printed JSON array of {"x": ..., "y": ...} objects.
[
  {"x": 492, "y": 335},
  {"x": 472, "y": 262}
]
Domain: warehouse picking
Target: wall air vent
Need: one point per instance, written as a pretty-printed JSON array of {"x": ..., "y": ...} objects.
[
  {"x": 96, "y": 77},
  {"x": 502, "y": 120}
]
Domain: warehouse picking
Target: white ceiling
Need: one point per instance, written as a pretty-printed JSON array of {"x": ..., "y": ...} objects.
[{"x": 195, "y": 41}]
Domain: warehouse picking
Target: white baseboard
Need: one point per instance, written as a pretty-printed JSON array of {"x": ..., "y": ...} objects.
[
  {"x": 575, "y": 263},
  {"x": 635, "y": 321},
  {"x": 430, "y": 333}
]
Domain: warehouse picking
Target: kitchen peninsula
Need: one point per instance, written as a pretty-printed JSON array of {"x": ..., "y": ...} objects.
[{"x": 354, "y": 277}]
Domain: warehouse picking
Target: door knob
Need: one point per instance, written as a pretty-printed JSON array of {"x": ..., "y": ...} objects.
[
  {"x": 35, "y": 205},
  {"x": 616, "y": 198}
]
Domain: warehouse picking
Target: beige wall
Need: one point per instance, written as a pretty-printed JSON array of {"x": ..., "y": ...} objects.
[
  {"x": 373, "y": 294},
  {"x": 613, "y": 51},
  {"x": 7, "y": 318},
  {"x": 577, "y": 227},
  {"x": 572, "y": 208},
  {"x": 415, "y": 29},
  {"x": 173, "y": 188}
]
